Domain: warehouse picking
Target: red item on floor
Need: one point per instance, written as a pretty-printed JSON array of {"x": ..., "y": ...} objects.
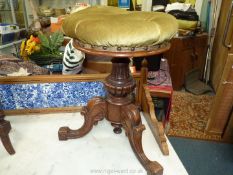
[{"x": 160, "y": 85}]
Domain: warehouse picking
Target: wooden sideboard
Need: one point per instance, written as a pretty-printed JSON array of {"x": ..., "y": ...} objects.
[{"x": 185, "y": 54}]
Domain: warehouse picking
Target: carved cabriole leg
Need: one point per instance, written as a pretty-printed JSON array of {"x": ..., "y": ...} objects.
[
  {"x": 133, "y": 126},
  {"x": 5, "y": 128},
  {"x": 7, "y": 144},
  {"x": 93, "y": 112}
]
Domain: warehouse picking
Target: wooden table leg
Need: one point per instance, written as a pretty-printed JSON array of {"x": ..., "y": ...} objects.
[{"x": 5, "y": 128}]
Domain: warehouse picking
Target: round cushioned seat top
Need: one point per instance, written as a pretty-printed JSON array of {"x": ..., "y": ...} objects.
[{"x": 115, "y": 27}]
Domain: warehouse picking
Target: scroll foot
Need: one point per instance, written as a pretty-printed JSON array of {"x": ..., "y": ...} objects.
[
  {"x": 94, "y": 111},
  {"x": 134, "y": 128}
]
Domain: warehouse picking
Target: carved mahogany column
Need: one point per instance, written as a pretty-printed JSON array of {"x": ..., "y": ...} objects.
[
  {"x": 5, "y": 128},
  {"x": 120, "y": 85},
  {"x": 123, "y": 112}
]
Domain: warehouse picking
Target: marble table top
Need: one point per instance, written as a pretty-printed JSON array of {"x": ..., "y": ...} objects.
[{"x": 101, "y": 152}]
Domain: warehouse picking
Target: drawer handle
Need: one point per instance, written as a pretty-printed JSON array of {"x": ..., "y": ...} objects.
[
  {"x": 227, "y": 28},
  {"x": 227, "y": 82},
  {"x": 194, "y": 56}
]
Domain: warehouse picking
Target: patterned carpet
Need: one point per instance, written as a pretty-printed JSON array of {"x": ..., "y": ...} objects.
[{"x": 189, "y": 116}]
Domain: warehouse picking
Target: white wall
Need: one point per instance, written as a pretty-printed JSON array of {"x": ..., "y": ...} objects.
[
  {"x": 198, "y": 6},
  {"x": 146, "y": 5}
]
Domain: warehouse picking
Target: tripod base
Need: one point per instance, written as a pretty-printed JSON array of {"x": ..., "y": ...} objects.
[{"x": 119, "y": 109}]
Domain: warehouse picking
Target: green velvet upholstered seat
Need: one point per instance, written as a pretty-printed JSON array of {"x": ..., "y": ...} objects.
[{"x": 113, "y": 27}]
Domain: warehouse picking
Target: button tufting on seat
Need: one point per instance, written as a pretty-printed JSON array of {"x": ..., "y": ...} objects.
[{"x": 115, "y": 27}]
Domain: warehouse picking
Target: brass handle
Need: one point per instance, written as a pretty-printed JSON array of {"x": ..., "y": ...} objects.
[
  {"x": 194, "y": 56},
  {"x": 227, "y": 27},
  {"x": 227, "y": 82}
]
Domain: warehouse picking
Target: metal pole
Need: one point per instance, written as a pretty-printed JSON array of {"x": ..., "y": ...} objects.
[
  {"x": 25, "y": 15},
  {"x": 211, "y": 41},
  {"x": 13, "y": 12}
]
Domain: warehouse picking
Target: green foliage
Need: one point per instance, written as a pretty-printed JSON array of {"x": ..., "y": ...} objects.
[
  {"x": 51, "y": 44},
  {"x": 56, "y": 40},
  {"x": 44, "y": 41},
  {"x": 49, "y": 50}
]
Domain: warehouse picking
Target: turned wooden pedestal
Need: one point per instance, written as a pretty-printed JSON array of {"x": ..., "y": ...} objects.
[
  {"x": 5, "y": 128},
  {"x": 118, "y": 107}
]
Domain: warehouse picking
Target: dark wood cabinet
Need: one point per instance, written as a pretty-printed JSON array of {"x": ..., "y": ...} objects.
[{"x": 185, "y": 54}]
